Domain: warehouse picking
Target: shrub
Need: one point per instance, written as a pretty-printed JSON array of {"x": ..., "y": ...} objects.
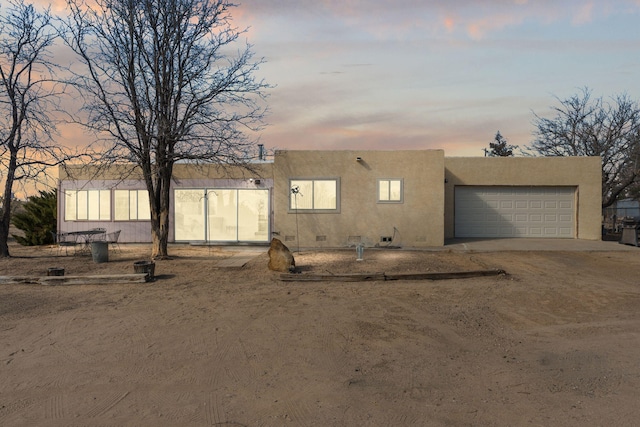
[{"x": 37, "y": 220}]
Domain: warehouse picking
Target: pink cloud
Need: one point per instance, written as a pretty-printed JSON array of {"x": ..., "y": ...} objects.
[
  {"x": 449, "y": 23},
  {"x": 584, "y": 14}
]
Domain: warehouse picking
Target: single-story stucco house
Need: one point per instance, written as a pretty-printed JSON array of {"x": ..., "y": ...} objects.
[{"x": 413, "y": 198}]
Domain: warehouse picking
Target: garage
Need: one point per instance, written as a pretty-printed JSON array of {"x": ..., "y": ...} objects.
[{"x": 500, "y": 211}]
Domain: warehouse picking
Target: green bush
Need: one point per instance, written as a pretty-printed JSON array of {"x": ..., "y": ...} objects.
[{"x": 37, "y": 220}]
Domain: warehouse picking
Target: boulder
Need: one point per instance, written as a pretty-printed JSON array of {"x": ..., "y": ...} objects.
[{"x": 280, "y": 257}]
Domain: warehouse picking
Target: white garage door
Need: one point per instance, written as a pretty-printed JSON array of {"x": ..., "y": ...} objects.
[{"x": 514, "y": 211}]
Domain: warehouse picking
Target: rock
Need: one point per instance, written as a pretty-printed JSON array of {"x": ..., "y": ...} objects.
[{"x": 280, "y": 257}]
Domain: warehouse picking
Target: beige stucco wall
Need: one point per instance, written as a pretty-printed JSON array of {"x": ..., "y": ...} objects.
[
  {"x": 418, "y": 221},
  {"x": 424, "y": 218},
  {"x": 583, "y": 173}
]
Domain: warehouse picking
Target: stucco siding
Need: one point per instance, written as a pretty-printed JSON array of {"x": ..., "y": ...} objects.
[
  {"x": 416, "y": 221},
  {"x": 421, "y": 216}
]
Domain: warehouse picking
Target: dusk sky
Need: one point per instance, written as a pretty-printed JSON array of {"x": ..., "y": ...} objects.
[{"x": 428, "y": 74}]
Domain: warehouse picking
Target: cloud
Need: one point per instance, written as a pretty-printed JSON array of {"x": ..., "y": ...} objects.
[
  {"x": 408, "y": 19},
  {"x": 417, "y": 74},
  {"x": 584, "y": 14}
]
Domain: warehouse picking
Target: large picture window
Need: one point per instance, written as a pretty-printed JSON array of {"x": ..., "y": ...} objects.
[
  {"x": 222, "y": 215},
  {"x": 87, "y": 205},
  {"x": 390, "y": 190},
  {"x": 131, "y": 205},
  {"x": 314, "y": 194}
]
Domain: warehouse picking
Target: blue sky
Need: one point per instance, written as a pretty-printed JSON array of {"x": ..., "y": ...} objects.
[
  {"x": 430, "y": 74},
  {"x": 410, "y": 74}
]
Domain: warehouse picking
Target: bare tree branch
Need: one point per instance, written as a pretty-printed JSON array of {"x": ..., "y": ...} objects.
[
  {"x": 584, "y": 126},
  {"x": 163, "y": 85},
  {"x": 29, "y": 93}
]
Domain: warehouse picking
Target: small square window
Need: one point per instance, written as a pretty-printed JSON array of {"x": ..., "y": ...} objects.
[{"x": 390, "y": 190}]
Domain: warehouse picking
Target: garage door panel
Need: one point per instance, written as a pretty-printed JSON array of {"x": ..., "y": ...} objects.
[
  {"x": 520, "y": 231},
  {"x": 506, "y": 204},
  {"x": 535, "y": 218},
  {"x": 505, "y": 217},
  {"x": 566, "y": 231},
  {"x": 514, "y": 212},
  {"x": 521, "y": 218},
  {"x": 492, "y": 217},
  {"x": 566, "y": 205},
  {"x": 534, "y": 231},
  {"x": 551, "y": 231}
]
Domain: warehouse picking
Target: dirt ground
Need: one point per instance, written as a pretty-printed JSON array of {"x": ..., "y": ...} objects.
[{"x": 556, "y": 341}]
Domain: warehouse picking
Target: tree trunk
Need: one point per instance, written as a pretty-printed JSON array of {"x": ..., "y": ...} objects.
[
  {"x": 4, "y": 226},
  {"x": 5, "y": 219},
  {"x": 160, "y": 238},
  {"x": 160, "y": 214}
]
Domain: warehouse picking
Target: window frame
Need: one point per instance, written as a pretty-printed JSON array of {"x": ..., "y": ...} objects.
[
  {"x": 137, "y": 191},
  {"x": 400, "y": 200},
  {"x": 88, "y": 197},
  {"x": 291, "y": 206}
]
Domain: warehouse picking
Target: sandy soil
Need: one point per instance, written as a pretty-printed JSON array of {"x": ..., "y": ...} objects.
[{"x": 554, "y": 342}]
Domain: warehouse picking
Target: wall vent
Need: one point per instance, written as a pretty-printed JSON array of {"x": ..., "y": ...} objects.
[
  {"x": 289, "y": 238},
  {"x": 355, "y": 239},
  {"x": 386, "y": 238},
  {"x": 321, "y": 238}
]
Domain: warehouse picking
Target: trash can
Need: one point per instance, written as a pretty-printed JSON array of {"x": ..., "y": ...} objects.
[
  {"x": 630, "y": 230},
  {"x": 100, "y": 251},
  {"x": 146, "y": 267}
]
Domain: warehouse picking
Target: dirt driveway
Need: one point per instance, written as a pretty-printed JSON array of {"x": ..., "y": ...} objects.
[{"x": 554, "y": 342}]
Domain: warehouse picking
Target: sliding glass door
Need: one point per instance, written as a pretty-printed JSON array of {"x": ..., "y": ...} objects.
[{"x": 222, "y": 215}]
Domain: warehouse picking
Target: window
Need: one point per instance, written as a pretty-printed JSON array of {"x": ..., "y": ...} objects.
[
  {"x": 87, "y": 205},
  {"x": 314, "y": 194},
  {"x": 189, "y": 218},
  {"x": 390, "y": 190},
  {"x": 222, "y": 215},
  {"x": 131, "y": 205}
]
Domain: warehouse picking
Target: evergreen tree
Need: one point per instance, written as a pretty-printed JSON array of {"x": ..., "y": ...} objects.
[
  {"x": 37, "y": 220},
  {"x": 500, "y": 147}
]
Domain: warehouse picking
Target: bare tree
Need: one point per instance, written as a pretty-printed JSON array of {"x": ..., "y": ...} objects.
[
  {"x": 500, "y": 147},
  {"x": 28, "y": 96},
  {"x": 586, "y": 126},
  {"x": 165, "y": 81}
]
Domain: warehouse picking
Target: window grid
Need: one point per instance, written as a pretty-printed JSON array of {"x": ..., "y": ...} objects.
[
  {"x": 132, "y": 205},
  {"x": 314, "y": 195},
  {"x": 87, "y": 205},
  {"x": 390, "y": 190}
]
